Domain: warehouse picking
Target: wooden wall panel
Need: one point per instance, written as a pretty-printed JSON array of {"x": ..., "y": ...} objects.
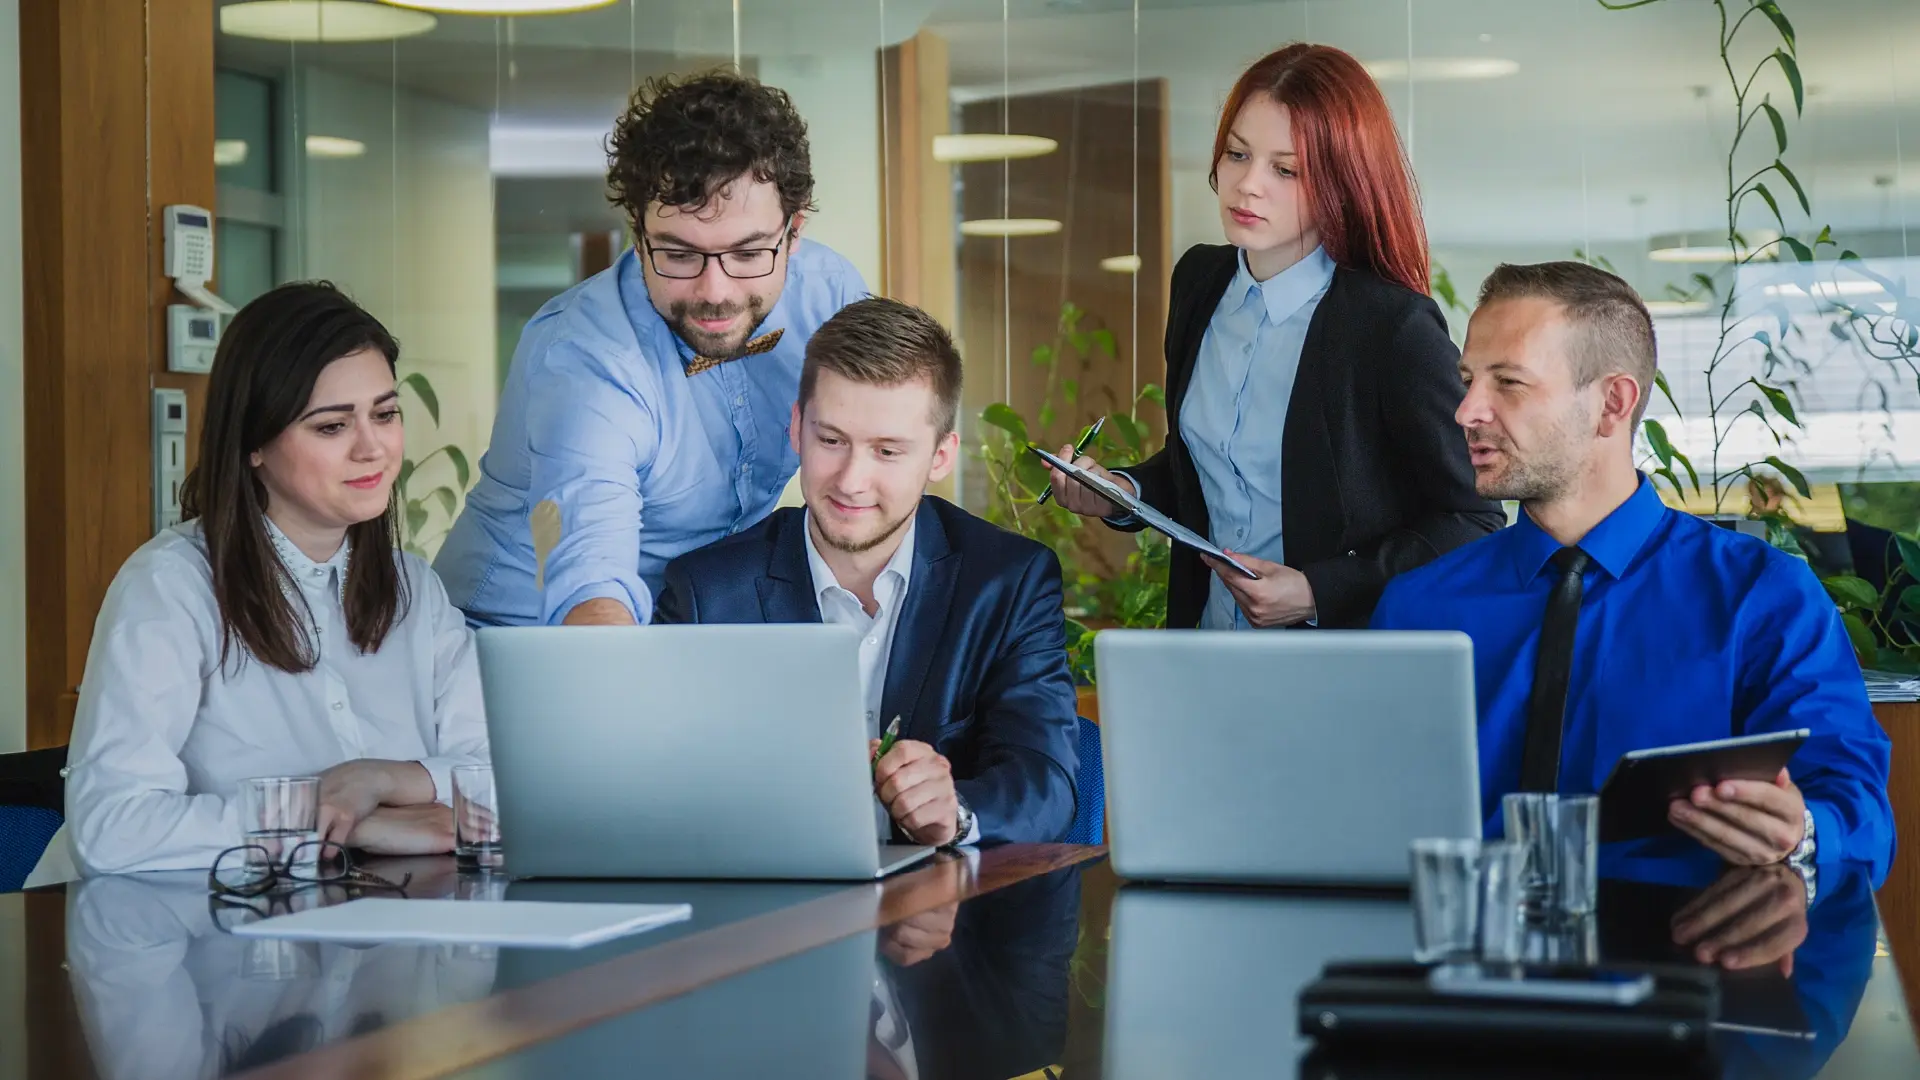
[
  {"x": 94, "y": 298},
  {"x": 1899, "y": 897}
]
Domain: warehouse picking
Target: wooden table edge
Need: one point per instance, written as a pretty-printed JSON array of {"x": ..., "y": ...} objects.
[{"x": 472, "y": 1033}]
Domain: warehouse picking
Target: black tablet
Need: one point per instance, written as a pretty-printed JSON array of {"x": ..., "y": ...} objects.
[{"x": 1633, "y": 801}]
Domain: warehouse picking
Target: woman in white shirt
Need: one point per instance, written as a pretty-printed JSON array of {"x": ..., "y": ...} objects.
[{"x": 278, "y": 631}]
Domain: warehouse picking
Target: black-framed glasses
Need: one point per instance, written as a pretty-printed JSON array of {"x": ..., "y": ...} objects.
[
  {"x": 741, "y": 263},
  {"x": 250, "y": 870}
]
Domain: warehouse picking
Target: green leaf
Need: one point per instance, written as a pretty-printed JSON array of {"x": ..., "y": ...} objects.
[
  {"x": 1002, "y": 416},
  {"x": 1863, "y": 644},
  {"x": 1781, "y": 168},
  {"x": 424, "y": 391},
  {"x": 1910, "y": 600},
  {"x": 1779, "y": 400},
  {"x": 1032, "y": 473},
  {"x": 449, "y": 502},
  {"x": 1852, "y": 591},
  {"x": 1042, "y": 356},
  {"x": 1443, "y": 287},
  {"x": 1046, "y": 415},
  {"x": 1771, "y": 9},
  {"x": 1825, "y": 237},
  {"x": 1673, "y": 481},
  {"x": 1103, "y": 341},
  {"x": 459, "y": 459},
  {"x": 1793, "y": 476},
  {"x": 1081, "y": 341},
  {"x": 416, "y": 517},
  {"x": 1791, "y": 67},
  {"x": 1070, "y": 389},
  {"x": 1657, "y": 439},
  {"x": 1761, "y": 190},
  {"x": 1800, "y": 250},
  {"x": 1153, "y": 393},
  {"x": 406, "y": 473},
  {"x": 1132, "y": 433},
  {"x": 1779, "y": 124},
  {"x": 1909, "y": 554}
]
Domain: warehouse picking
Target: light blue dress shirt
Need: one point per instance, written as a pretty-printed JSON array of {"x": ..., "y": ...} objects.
[
  {"x": 1235, "y": 412},
  {"x": 643, "y": 462}
]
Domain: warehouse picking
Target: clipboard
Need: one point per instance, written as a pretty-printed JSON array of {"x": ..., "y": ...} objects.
[{"x": 1153, "y": 519}]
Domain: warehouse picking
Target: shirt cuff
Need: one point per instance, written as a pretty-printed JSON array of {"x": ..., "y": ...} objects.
[
  {"x": 601, "y": 590},
  {"x": 1827, "y": 853},
  {"x": 1127, "y": 520},
  {"x": 441, "y": 769}
]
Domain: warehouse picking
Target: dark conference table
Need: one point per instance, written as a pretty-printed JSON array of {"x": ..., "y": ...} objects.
[{"x": 995, "y": 965}]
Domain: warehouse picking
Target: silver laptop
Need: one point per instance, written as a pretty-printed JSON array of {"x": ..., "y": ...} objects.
[
  {"x": 1285, "y": 757},
  {"x": 683, "y": 752}
]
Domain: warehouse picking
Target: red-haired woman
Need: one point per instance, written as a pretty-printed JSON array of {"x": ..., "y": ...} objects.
[{"x": 1310, "y": 384}]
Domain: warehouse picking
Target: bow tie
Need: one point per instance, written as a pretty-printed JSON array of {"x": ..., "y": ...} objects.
[{"x": 763, "y": 343}]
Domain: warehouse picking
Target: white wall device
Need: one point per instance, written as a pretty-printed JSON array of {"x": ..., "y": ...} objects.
[
  {"x": 192, "y": 334},
  {"x": 169, "y": 455},
  {"x": 190, "y": 255}
]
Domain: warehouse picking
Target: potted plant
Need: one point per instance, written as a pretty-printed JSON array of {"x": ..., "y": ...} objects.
[{"x": 416, "y": 511}]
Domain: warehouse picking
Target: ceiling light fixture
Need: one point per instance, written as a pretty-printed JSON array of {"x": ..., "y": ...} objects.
[
  {"x": 228, "y": 152},
  {"x": 1443, "y": 68},
  {"x": 1667, "y": 308},
  {"x": 1121, "y": 264},
  {"x": 1009, "y": 227},
  {"x": 322, "y": 20},
  {"x": 1706, "y": 248},
  {"x": 503, "y": 7},
  {"x": 1828, "y": 290},
  {"x": 333, "y": 146},
  {"x": 989, "y": 147}
]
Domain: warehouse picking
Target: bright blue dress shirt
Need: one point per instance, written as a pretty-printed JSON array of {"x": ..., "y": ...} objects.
[
  {"x": 1235, "y": 412},
  {"x": 643, "y": 462},
  {"x": 1688, "y": 632}
]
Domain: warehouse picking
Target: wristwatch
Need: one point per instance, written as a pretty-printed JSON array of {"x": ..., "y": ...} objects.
[
  {"x": 1801, "y": 857},
  {"x": 963, "y": 824}
]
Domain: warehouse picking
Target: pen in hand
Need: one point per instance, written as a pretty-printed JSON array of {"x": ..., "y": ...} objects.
[
  {"x": 886, "y": 741},
  {"x": 1085, "y": 441}
]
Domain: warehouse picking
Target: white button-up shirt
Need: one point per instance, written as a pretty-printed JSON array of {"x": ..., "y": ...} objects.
[{"x": 164, "y": 732}]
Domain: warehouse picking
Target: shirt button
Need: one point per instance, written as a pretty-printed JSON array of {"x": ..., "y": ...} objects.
[
  {"x": 338, "y": 705},
  {"x": 740, "y": 399},
  {"x": 319, "y": 572},
  {"x": 873, "y": 641}
]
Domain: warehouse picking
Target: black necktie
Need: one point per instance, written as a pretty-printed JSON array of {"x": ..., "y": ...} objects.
[{"x": 1547, "y": 706}]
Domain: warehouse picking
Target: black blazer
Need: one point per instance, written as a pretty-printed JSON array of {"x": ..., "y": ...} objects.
[{"x": 1375, "y": 478}]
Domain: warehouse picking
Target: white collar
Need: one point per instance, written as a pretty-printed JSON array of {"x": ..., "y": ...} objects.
[
  {"x": 824, "y": 581},
  {"x": 299, "y": 565}
]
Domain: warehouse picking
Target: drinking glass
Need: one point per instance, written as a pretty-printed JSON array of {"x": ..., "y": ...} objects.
[
  {"x": 1446, "y": 899},
  {"x": 476, "y": 822},
  {"x": 277, "y": 815}
]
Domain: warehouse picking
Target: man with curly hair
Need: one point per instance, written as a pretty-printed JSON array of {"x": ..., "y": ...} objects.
[{"x": 645, "y": 414}]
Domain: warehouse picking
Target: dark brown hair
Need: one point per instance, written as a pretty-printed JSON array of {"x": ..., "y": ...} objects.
[
  {"x": 681, "y": 140},
  {"x": 1611, "y": 328},
  {"x": 1356, "y": 178},
  {"x": 270, "y": 356},
  {"x": 882, "y": 342}
]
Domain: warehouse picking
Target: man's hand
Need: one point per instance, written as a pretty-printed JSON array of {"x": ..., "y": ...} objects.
[
  {"x": 1751, "y": 917},
  {"x": 1746, "y": 822},
  {"x": 916, "y": 786},
  {"x": 1079, "y": 498},
  {"x": 599, "y": 611},
  {"x": 1279, "y": 597},
  {"x": 426, "y": 829},
  {"x": 353, "y": 789},
  {"x": 910, "y": 941}
]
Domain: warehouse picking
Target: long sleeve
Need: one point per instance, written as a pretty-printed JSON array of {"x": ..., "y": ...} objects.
[
  {"x": 589, "y": 437},
  {"x": 1421, "y": 391},
  {"x": 459, "y": 710},
  {"x": 127, "y": 802},
  {"x": 1023, "y": 788},
  {"x": 1798, "y": 670}
]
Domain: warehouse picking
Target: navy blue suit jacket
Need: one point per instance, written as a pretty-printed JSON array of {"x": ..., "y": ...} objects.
[{"x": 978, "y": 668}]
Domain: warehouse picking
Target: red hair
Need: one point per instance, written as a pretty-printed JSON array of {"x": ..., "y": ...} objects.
[{"x": 1357, "y": 183}]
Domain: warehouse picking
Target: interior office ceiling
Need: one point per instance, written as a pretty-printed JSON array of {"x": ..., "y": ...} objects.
[{"x": 1613, "y": 128}]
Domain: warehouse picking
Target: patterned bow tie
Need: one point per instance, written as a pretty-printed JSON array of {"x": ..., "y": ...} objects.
[{"x": 763, "y": 343}]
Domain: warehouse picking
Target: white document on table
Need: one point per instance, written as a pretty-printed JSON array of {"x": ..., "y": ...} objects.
[
  {"x": 1154, "y": 519},
  {"x": 522, "y": 923}
]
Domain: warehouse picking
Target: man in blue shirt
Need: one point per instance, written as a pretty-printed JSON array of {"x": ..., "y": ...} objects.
[
  {"x": 1604, "y": 622},
  {"x": 645, "y": 413}
]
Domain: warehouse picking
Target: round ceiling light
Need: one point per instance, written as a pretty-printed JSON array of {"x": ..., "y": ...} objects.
[
  {"x": 1442, "y": 68},
  {"x": 333, "y": 146},
  {"x": 1709, "y": 248},
  {"x": 229, "y": 152},
  {"x": 990, "y": 147},
  {"x": 1121, "y": 264},
  {"x": 1009, "y": 227},
  {"x": 322, "y": 20},
  {"x": 502, "y": 7}
]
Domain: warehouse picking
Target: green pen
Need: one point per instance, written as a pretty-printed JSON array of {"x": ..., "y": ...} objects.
[{"x": 886, "y": 740}]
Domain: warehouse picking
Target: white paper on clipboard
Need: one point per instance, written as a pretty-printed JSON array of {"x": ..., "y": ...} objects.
[{"x": 1152, "y": 518}]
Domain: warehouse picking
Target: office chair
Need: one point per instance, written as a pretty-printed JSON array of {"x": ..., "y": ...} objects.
[
  {"x": 31, "y": 797},
  {"x": 1089, "y": 817}
]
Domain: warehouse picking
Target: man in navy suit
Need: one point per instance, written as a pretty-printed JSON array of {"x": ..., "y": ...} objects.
[{"x": 963, "y": 635}]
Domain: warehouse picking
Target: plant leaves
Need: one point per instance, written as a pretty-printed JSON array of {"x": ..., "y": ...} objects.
[
  {"x": 423, "y": 390},
  {"x": 1793, "y": 476},
  {"x": 1779, "y": 400},
  {"x": 1761, "y": 190},
  {"x": 1800, "y": 250},
  {"x": 406, "y": 473},
  {"x": 1002, "y": 416},
  {"x": 1153, "y": 393},
  {"x": 1688, "y": 462},
  {"x": 1657, "y": 439},
  {"x": 459, "y": 459},
  {"x": 1103, "y": 341},
  {"x": 416, "y": 517},
  {"x": 1909, "y": 554},
  {"x": 1781, "y": 168},
  {"x": 1910, "y": 600},
  {"x": 1046, "y": 415},
  {"x": 1791, "y": 68},
  {"x": 1863, "y": 644},
  {"x": 1032, "y": 473},
  {"x": 449, "y": 502},
  {"x": 1042, "y": 356},
  {"x": 1852, "y": 591},
  {"x": 1779, "y": 124},
  {"x": 1660, "y": 382},
  {"x": 1771, "y": 9}
]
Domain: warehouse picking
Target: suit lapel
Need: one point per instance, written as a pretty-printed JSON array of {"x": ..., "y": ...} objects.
[
  {"x": 923, "y": 621},
  {"x": 786, "y": 590},
  {"x": 1307, "y": 436}
]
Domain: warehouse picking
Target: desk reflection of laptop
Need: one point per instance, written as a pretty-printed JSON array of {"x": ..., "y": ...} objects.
[{"x": 735, "y": 752}]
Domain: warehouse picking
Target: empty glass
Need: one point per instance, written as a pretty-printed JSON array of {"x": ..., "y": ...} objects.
[
  {"x": 1502, "y": 908},
  {"x": 1561, "y": 836},
  {"x": 1528, "y": 819},
  {"x": 1465, "y": 899},
  {"x": 476, "y": 824},
  {"x": 277, "y": 815}
]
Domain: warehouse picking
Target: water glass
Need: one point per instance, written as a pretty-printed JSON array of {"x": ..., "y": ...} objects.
[
  {"x": 1576, "y": 822},
  {"x": 1465, "y": 899},
  {"x": 278, "y": 814},
  {"x": 476, "y": 822},
  {"x": 1502, "y": 906},
  {"x": 1529, "y": 820}
]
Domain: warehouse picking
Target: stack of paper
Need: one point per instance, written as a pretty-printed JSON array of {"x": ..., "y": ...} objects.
[
  {"x": 521, "y": 923},
  {"x": 1887, "y": 686}
]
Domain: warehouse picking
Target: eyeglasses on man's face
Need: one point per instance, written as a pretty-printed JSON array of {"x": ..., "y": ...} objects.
[
  {"x": 745, "y": 263},
  {"x": 250, "y": 870}
]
